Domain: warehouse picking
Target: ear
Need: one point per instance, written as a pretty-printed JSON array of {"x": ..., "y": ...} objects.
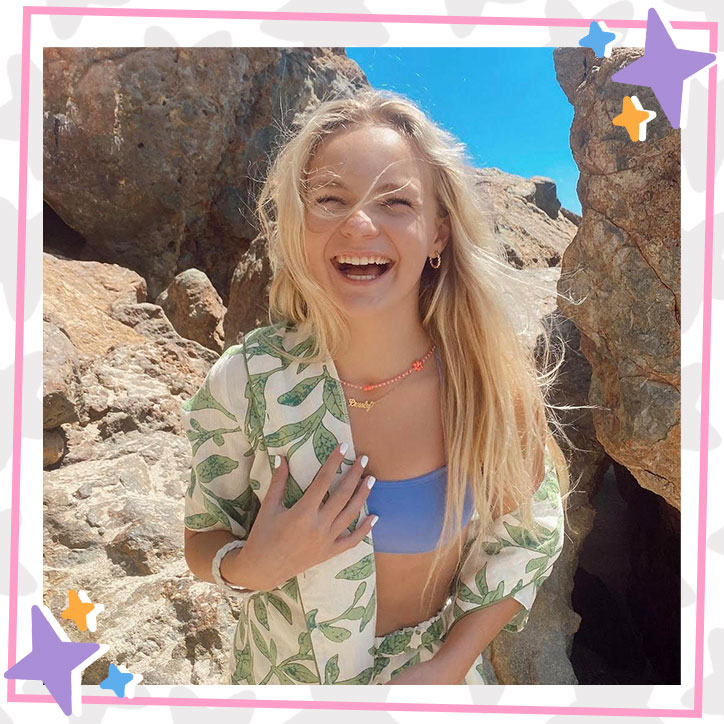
[{"x": 443, "y": 232}]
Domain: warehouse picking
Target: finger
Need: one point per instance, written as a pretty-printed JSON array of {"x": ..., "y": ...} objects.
[
  {"x": 320, "y": 485},
  {"x": 341, "y": 496},
  {"x": 352, "y": 509},
  {"x": 345, "y": 542},
  {"x": 278, "y": 484}
]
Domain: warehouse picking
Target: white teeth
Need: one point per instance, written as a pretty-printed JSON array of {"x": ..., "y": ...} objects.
[{"x": 361, "y": 260}]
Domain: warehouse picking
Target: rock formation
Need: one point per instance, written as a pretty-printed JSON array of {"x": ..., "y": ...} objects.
[
  {"x": 622, "y": 270},
  {"x": 194, "y": 308},
  {"x": 154, "y": 154},
  {"x": 527, "y": 218},
  {"x": 113, "y": 500},
  {"x": 620, "y": 285}
]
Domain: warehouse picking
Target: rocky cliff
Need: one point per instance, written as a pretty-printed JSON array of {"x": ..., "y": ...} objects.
[
  {"x": 620, "y": 285},
  {"x": 622, "y": 271}
]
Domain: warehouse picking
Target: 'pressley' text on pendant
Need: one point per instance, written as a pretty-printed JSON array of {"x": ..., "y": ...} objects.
[{"x": 366, "y": 405}]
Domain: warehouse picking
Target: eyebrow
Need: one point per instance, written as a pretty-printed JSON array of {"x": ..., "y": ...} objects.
[{"x": 389, "y": 186}]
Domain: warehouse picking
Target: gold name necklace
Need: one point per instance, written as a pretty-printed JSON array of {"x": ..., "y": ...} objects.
[{"x": 367, "y": 405}]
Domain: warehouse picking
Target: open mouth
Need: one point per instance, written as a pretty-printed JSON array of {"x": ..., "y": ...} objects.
[{"x": 362, "y": 270}]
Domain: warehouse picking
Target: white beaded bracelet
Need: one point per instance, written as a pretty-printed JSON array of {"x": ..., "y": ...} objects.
[{"x": 216, "y": 565}]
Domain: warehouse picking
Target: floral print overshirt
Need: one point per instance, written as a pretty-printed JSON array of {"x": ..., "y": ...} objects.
[{"x": 319, "y": 627}]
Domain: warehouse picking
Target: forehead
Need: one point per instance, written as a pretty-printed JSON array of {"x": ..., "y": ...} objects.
[{"x": 365, "y": 153}]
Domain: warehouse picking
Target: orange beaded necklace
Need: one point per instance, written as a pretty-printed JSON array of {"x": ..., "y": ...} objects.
[{"x": 416, "y": 366}]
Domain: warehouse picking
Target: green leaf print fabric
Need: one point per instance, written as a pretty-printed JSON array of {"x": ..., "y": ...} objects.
[
  {"x": 219, "y": 495},
  {"x": 319, "y": 627},
  {"x": 230, "y": 474},
  {"x": 515, "y": 561}
]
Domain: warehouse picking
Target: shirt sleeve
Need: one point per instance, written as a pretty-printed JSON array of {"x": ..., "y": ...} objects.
[
  {"x": 220, "y": 493},
  {"x": 515, "y": 561}
]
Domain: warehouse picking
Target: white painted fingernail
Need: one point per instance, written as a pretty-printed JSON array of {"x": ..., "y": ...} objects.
[
  {"x": 364, "y": 461},
  {"x": 277, "y": 461},
  {"x": 343, "y": 448},
  {"x": 374, "y": 520},
  {"x": 371, "y": 481}
]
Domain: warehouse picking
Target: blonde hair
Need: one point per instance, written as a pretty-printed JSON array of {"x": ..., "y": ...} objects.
[{"x": 493, "y": 397}]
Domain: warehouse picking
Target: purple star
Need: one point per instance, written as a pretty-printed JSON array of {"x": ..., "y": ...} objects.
[
  {"x": 663, "y": 68},
  {"x": 55, "y": 660}
]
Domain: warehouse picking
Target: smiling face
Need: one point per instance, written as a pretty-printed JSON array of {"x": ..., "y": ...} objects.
[{"x": 398, "y": 221}]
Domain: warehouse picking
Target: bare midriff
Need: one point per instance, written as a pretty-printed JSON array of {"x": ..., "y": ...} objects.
[
  {"x": 403, "y": 438},
  {"x": 400, "y": 581}
]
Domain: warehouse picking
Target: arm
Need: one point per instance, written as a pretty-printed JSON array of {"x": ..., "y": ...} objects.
[
  {"x": 220, "y": 503},
  {"x": 200, "y": 549},
  {"x": 514, "y": 562},
  {"x": 471, "y": 635},
  {"x": 462, "y": 646}
]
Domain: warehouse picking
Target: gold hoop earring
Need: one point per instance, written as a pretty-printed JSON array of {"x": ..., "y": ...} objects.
[{"x": 438, "y": 259}]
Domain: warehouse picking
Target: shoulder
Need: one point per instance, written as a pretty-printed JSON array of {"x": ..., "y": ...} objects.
[
  {"x": 230, "y": 362},
  {"x": 256, "y": 342},
  {"x": 228, "y": 372},
  {"x": 279, "y": 329},
  {"x": 282, "y": 341},
  {"x": 274, "y": 338},
  {"x": 212, "y": 397}
]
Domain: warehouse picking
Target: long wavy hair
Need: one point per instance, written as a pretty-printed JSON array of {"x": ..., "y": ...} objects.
[{"x": 493, "y": 398}]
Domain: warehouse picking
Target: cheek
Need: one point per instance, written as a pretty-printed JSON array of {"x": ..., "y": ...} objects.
[
  {"x": 315, "y": 248},
  {"x": 412, "y": 230}
]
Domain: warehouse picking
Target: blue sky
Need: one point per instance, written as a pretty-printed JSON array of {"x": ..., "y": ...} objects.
[{"x": 503, "y": 103}]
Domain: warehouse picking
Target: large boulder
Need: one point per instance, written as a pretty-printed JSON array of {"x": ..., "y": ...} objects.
[
  {"x": 113, "y": 500},
  {"x": 154, "y": 155},
  {"x": 546, "y": 197},
  {"x": 194, "y": 308},
  {"x": 621, "y": 273}
]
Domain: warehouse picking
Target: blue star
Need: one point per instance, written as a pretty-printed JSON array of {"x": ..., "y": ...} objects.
[
  {"x": 599, "y": 40},
  {"x": 116, "y": 681}
]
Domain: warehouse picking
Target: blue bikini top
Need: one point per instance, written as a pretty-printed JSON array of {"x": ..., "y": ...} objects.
[{"x": 411, "y": 511}]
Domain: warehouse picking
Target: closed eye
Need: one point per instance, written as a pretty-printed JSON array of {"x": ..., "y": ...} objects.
[{"x": 395, "y": 200}]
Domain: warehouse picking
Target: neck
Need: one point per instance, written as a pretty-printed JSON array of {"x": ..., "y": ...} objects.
[{"x": 381, "y": 349}]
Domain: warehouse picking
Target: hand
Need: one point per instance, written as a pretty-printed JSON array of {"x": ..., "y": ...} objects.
[
  {"x": 284, "y": 542},
  {"x": 426, "y": 672}
]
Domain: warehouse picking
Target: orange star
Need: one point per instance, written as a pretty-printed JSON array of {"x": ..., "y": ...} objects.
[
  {"x": 81, "y": 610},
  {"x": 634, "y": 118}
]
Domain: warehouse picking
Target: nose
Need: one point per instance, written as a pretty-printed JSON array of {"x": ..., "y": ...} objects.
[{"x": 359, "y": 223}]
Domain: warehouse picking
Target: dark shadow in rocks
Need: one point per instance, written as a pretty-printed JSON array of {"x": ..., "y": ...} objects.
[
  {"x": 627, "y": 588},
  {"x": 58, "y": 238}
]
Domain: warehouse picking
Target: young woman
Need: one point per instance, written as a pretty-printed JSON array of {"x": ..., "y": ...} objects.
[{"x": 392, "y": 391}]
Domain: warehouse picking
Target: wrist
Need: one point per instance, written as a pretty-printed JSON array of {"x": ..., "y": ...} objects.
[
  {"x": 230, "y": 568},
  {"x": 236, "y": 570}
]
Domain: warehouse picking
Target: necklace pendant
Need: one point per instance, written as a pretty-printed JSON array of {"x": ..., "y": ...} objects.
[{"x": 366, "y": 405}]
